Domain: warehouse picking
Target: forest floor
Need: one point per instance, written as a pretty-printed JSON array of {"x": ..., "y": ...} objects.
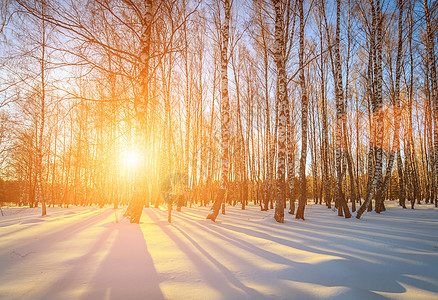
[{"x": 83, "y": 253}]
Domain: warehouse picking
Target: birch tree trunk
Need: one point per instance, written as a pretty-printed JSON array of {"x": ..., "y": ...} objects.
[
  {"x": 430, "y": 45},
  {"x": 187, "y": 107},
  {"x": 397, "y": 115},
  {"x": 304, "y": 111},
  {"x": 279, "y": 54},
  {"x": 225, "y": 113},
  {"x": 42, "y": 114},
  {"x": 269, "y": 144},
  {"x": 290, "y": 159},
  {"x": 409, "y": 148},
  {"x": 347, "y": 150},
  {"x": 340, "y": 115},
  {"x": 135, "y": 207},
  {"x": 376, "y": 137},
  {"x": 325, "y": 135}
]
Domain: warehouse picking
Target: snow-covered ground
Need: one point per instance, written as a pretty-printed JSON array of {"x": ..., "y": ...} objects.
[{"x": 82, "y": 253}]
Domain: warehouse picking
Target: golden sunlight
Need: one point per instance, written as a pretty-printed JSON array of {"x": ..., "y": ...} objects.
[{"x": 130, "y": 159}]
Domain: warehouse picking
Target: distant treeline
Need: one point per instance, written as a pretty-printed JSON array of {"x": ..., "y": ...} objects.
[{"x": 10, "y": 191}]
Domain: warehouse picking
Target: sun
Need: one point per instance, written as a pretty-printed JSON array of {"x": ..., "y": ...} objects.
[{"x": 130, "y": 159}]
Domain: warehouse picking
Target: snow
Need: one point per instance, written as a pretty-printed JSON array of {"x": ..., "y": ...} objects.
[{"x": 92, "y": 253}]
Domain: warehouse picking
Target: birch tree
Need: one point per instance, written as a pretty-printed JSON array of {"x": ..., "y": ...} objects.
[
  {"x": 282, "y": 101},
  {"x": 340, "y": 117},
  {"x": 42, "y": 116},
  {"x": 135, "y": 208},
  {"x": 225, "y": 112},
  {"x": 397, "y": 120},
  {"x": 324, "y": 125},
  {"x": 304, "y": 115},
  {"x": 376, "y": 135},
  {"x": 431, "y": 58}
]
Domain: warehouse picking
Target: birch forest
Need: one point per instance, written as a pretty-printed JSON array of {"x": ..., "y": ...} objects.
[{"x": 270, "y": 103}]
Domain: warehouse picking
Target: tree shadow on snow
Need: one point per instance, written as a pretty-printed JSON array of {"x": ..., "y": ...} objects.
[
  {"x": 213, "y": 272},
  {"x": 349, "y": 261},
  {"x": 127, "y": 271},
  {"x": 50, "y": 239},
  {"x": 356, "y": 278}
]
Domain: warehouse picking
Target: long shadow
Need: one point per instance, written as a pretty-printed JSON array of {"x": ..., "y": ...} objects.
[
  {"x": 62, "y": 231},
  {"x": 213, "y": 278},
  {"x": 80, "y": 268},
  {"x": 127, "y": 271},
  {"x": 357, "y": 270},
  {"x": 331, "y": 273},
  {"x": 221, "y": 235},
  {"x": 321, "y": 223},
  {"x": 324, "y": 229},
  {"x": 23, "y": 226},
  {"x": 301, "y": 271},
  {"x": 13, "y": 232},
  {"x": 60, "y": 234},
  {"x": 249, "y": 292},
  {"x": 334, "y": 272}
]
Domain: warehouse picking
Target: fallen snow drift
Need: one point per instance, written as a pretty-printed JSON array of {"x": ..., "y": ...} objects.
[{"x": 83, "y": 253}]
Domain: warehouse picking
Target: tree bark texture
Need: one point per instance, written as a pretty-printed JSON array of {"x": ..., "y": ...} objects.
[{"x": 225, "y": 114}]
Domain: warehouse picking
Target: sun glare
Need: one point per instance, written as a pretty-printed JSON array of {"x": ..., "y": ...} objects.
[{"x": 130, "y": 159}]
